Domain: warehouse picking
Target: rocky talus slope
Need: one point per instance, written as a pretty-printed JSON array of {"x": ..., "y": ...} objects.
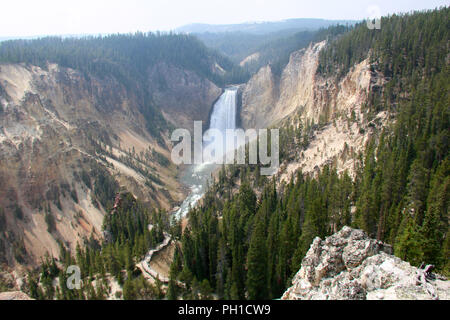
[{"x": 350, "y": 266}]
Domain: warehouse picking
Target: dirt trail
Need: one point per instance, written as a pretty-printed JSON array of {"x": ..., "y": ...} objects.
[{"x": 144, "y": 265}]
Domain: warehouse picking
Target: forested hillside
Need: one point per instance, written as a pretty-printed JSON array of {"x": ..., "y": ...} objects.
[
  {"x": 238, "y": 45},
  {"x": 126, "y": 58},
  {"x": 273, "y": 48},
  {"x": 249, "y": 246}
]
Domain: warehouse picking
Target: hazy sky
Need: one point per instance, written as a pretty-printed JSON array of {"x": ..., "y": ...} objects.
[{"x": 45, "y": 17}]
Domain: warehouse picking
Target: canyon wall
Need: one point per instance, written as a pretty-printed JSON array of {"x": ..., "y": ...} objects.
[
  {"x": 66, "y": 137},
  {"x": 334, "y": 105}
]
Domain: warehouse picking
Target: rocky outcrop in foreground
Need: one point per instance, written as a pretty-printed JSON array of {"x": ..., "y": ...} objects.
[
  {"x": 15, "y": 295},
  {"x": 350, "y": 266}
]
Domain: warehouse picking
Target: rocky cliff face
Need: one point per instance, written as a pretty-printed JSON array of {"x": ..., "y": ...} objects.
[
  {"x": 258, "y": 99},
  {"x": 60, "y": 129},
  {"x": 350, "y": 266},
  {"x": 301, "y": 88},
  {"x": 182, "y": 95},
  {"x": 301, "y": 94}
]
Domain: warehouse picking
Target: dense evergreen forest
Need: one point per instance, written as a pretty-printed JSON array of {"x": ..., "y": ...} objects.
[
  {"x": 273, "y": 48},
  {"x": 408, "y": 45},
  {"x": 248, "y": 246},
  {"x": 124, "y": 56},
  {"x": 239, "y": 45}
]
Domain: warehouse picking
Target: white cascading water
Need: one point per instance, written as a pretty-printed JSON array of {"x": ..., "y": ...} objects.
[{"x": 223, "y": 117}]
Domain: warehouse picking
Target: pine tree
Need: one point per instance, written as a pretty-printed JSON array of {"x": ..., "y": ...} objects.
[
  {"x": 129, "y": 292},
  {"x": 257, "y": 277},
  {"x": 435, "y": 225},
  {"x": 409, "y": 241},
  {"x": 172, "y": 293},
  {"x": 205, "y": 290}
]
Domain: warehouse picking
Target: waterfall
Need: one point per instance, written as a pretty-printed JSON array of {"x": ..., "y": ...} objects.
[
  {"x": 224, "y": 113},
  {"x": 223, "y": 117}
]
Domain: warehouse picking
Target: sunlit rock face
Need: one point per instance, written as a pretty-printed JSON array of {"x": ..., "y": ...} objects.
[{"x": 301, "y": 94}]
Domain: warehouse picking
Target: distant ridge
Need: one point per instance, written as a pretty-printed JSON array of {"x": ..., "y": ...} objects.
[
  {"x": 263, "y": 27},
  {"x": 257, "y": 28}
]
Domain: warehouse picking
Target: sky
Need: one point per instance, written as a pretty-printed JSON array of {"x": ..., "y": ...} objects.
[{"x": 64, "y": 17}]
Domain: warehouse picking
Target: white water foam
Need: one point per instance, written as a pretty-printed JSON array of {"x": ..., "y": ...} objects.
[{"x": 223, "y": 117}]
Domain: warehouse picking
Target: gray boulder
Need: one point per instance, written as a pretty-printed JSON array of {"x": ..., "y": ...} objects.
[{"x": 350, "y": 266}]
